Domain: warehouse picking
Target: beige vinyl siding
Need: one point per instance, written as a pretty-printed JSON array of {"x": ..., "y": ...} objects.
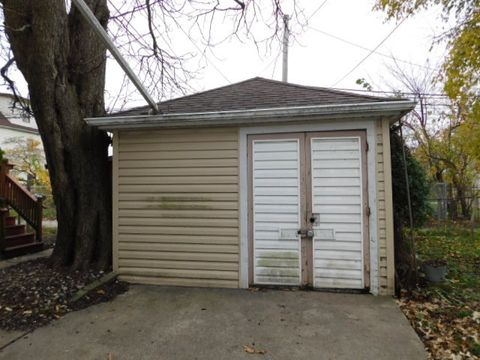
[
  {"x": 384, "y": 215},
  {"x": 178, "y": 211}
]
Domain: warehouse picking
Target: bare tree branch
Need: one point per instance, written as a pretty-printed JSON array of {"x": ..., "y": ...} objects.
[{"x": 18, "y": 101}]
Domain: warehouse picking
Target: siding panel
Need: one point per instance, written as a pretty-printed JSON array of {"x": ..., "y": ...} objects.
[{"x": 178, "y": 207}]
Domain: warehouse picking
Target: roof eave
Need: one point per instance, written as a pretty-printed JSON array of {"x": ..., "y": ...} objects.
[
  {"x": 19, "y": 128},
  {"x": 393, "y": 109}
]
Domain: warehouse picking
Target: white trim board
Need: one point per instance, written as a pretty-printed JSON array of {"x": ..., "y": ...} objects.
[{"x": 336, "y": 125}]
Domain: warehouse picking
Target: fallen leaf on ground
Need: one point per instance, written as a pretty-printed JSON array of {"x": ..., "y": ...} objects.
[
  {"x": 251, "y": 350},
  {"x": 476, "y": 316}
]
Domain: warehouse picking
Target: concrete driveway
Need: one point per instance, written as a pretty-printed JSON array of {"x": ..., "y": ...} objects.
[{"x": 184, "y": 323}]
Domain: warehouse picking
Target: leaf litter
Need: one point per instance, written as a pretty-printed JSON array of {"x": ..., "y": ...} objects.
[{"x": 32, "y": 293}]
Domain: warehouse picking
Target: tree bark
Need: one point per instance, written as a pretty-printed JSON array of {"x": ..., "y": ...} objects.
[
  {"x": 63, "y": 62},
  {"x": 462, "y": 199}
]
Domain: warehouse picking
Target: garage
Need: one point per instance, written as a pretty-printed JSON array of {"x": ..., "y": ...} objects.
[{"x": 259, "y": 183}]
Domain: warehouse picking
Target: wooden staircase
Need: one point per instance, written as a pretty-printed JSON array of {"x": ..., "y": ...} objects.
[{"x": 18, "y": 238}]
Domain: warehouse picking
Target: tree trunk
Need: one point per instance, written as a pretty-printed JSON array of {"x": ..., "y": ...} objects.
[
  {"x": 462, "y": 199},
  {"x": 63, "y": 62}
]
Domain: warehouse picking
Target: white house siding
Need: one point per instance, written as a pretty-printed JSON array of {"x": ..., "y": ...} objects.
[
  {"x": 15, "y": 116},
  {"x": 177, "y": 195},
  {"x": 6, "y": 134}
]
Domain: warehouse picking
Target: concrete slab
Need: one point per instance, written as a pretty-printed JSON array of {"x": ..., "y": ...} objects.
[
  {"x": 185, "y": 323},
  {"x": 7, "y": 337},
  {"x": 50, "y": 223}
]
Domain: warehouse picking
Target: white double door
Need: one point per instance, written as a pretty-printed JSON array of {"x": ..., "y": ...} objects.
[{"x": 308, "y": 204}]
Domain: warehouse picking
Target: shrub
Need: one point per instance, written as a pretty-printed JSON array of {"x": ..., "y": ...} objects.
[{"x": 417, "y": 178}]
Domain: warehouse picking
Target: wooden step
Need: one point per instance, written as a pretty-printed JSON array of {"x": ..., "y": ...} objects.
[
  {"x": 19, "y": 239},
  {"x": 19, "y": 250},
  {"x": 10, "y": 220},
  {"x": 15, "y": 229}
]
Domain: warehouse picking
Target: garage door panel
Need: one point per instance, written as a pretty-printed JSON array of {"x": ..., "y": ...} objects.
[
  {"x": 338, "y": 209},
  {"x": 337, "y": 191},
  {"x": 275, "y": 244},
  {"x": 337, "y": 273},
  {"x": 330, "y": 163},
  {"x": 337, "y": 181},
  {"x": 276, "y": 211},
  {"x": 336, "y": 154},
  {"x": 276, "y": 253},
  {"x": 336, "y": 245},
  {"x": 336, "y": 200},
  {"x": 334, "y": 144},
  {"x": 272, "y": 156},
  {"x": 275, "y": 217},
  {"x": 276, "y": 165},
  {"x": 277, "y": 227},
  {"x": 338, "y": 264},
  {"x": 278, "y": 191},
  {"x": 336, "y": 173},
  {"x": 273, "y": 200},
  {"x": 276, "y": 280},
  {"x": 324, "y": 282},
  {"x": 275, "y": 173}
]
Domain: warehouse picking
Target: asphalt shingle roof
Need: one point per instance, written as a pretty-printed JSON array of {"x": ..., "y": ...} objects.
[
  {"x": 256, "y": 93},
  {"x": 4, "y": 122}
]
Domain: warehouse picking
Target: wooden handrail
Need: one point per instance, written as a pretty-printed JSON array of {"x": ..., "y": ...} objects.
[
  {"x": 3, "y": 216},
  {"x": 21, "y": 200}
]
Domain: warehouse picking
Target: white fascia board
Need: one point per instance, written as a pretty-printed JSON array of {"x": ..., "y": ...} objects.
[
  {"x": 24, "y": 130},
  {"x": 254, "y": 116}
]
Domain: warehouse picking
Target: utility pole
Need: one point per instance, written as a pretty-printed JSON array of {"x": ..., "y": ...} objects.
[
  {"x": 286, "y": 35},
  {"x": 100, "y": 31}
]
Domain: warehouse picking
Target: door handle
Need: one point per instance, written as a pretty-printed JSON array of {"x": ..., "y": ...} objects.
[{"x": 306, "y": 233}]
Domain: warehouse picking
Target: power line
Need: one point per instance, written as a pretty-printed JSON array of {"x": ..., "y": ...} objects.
[
  {"x": 205, "y": 54},
  {"x": 368, "y": 49},
  {"x": 317, "y": 10},
  {"x": 392, "y": 92},
  {"x": 271, "y": 62},
  {"x": 371, "y": 52}
]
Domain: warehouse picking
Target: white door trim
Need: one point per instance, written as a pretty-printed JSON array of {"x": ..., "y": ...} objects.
[{"x": 334, "y": 125}]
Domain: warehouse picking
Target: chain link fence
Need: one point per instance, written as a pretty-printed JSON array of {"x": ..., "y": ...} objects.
[{"x": 448, "y": 204}]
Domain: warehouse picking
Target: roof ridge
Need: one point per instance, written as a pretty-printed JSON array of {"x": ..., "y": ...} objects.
[
  {"x": 209, "y": 90},
  {"x": 243, "y": 94},
  {"x": 335, "y": 91},
  {"x": 186, "y": 96}
]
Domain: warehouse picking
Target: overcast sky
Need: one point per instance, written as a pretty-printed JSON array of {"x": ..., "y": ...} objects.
[{"x": 317, "y": 56}]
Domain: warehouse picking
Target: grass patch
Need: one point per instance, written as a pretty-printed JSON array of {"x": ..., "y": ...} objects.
[
  {"x": 446, "y": 315},
  {"x": 460, "y": 247},
  {"x": 49, "y": 231}
]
